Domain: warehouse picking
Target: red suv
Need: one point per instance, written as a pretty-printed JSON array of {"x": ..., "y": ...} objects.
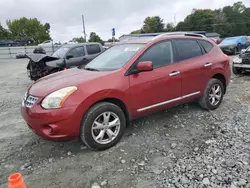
[{"x": 125, "y": 82}]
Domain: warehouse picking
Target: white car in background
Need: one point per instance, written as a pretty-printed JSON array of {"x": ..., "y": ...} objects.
[{"x": 47, "y": 43}]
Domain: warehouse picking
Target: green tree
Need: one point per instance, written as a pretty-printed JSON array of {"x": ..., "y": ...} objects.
[
  {"x": 235, "y": 16},
  {"x": 95, "y": 38},
  {"x": 29, "y": 27},
  {"x": 111, "y": 40},
  {"x": 182, "y": 26},
  {"x": 139, "y": 31},
  {"x": 153, "y": 25},
  {"x": 169, "y": 27},
  {"x": 4, "y": 33},
  {"x": 79, "y": 39},
  {"x": 200, "y": 20},
  {"x": 228, "y": 21}
]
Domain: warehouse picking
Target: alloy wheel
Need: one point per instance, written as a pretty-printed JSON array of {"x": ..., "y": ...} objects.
[
  {"x": 215, "y": 94},
  {"x": 106, "y": 127}
]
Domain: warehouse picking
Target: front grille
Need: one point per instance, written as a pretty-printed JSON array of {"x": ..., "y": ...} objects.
[
  {"x": 29, "y": 100},
  {"x": 246, "y": 61}
]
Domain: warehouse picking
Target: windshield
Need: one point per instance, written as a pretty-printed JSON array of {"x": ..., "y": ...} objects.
[
  {"x": 231, "y": 40},
  {"x": 60, "y": 52},
  {"x": 248, "y": 49},
  {"x": 114, "y": 58}
]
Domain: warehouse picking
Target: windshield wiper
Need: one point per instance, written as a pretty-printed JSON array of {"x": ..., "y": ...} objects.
[{"x": 91, "y": 69}]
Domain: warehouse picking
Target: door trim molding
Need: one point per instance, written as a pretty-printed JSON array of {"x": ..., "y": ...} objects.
[{"x": 167, "y": 102}]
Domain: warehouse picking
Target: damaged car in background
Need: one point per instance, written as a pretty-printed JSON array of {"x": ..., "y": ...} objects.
[
  {"x": 241, "y": 63},
  {"x": 67, "y": 56},
  {"x": 233, "y": 45}
]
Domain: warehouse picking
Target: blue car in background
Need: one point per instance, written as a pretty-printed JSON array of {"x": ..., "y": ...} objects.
[
  {"x": 233, "y": 45},
  {"x": 5, "y": 43}
]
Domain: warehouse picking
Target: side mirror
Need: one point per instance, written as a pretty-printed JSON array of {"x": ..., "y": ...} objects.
[
  {"x": 69, "y": 56},
  {"x": 145, "y": 66}
]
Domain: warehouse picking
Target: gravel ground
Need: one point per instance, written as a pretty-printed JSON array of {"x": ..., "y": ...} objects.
[{"x": 180, "y": 147}]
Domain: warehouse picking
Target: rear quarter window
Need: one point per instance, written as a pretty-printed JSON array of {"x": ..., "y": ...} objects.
[
  {"x": 93, "y": 49},
  {"x": 188, "y": 48},
  {"x": 206, "y": 45}
]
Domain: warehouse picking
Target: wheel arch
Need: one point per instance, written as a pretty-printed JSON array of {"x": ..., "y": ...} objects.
[
  {"x": 222, "y": 78},
  {"x": 118, "y": 103}
]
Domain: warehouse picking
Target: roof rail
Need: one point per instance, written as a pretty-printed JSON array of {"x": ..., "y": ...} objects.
[{"x": 180, "y": 34}]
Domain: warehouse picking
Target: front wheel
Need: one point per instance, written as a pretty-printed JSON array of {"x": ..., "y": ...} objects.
[
  {"x": 213, "y": 95},
  {"x": 103, "y": 126}
]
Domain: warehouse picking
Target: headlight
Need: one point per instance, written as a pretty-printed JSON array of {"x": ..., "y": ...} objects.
[
  {"x": 57, "y": 98},
  {"x": 237, "y": 60}
]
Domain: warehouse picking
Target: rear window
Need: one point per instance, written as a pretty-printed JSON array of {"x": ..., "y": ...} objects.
[
  {"x": 93, "y": 49},
  {"x": 206, "y": 45},
  {"x": 188, "y": 49}
]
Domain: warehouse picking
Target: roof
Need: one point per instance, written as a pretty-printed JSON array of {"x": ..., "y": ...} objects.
[
  {"x": 212, "y": 34},
  {"x": 149, "y": 38},
  {"x": 145, "y": 40},
  {"x": 156, "y": 34},
  {"x": 80, "y": 44}
]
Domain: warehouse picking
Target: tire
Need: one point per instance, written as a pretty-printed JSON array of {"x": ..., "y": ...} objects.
[
  {"x": 95, "y": 114},
  {"x": 236, "y": 70},
  {"x": 205, "y": 101}
]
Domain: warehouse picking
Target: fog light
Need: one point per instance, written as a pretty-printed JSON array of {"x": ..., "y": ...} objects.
[{"x": 51, "y": 130}]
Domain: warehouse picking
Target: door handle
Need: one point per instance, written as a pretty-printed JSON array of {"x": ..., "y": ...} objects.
[
  {"x": 208, "y": 64},
  {"x": 174, "y": 73}
]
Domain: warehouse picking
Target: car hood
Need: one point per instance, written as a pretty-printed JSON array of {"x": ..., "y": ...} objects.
[
  {"x": 226, "y": 45},
  {"x": 38, "y": 57},
  {"x": 70, "y": 77}
]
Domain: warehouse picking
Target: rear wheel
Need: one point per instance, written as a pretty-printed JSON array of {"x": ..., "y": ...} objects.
[
  {"x": 103, "y": 126},
  {"x": 213, "y": 95}
]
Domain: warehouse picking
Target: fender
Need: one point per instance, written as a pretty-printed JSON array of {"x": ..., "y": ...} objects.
[{"x": 89, "y": 101}]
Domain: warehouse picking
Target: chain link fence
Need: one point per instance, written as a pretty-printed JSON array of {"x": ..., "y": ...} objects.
[{"x": 12, "y": 52}]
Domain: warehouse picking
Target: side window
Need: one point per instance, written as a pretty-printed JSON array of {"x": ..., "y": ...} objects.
[
  {"x": 188, "y": 49},
  {"x": 206, "y": 45},
  {"x": 93, "y": 49},
  {"x": 160, "y": 54},
  {"x": 77, "y": 52}
]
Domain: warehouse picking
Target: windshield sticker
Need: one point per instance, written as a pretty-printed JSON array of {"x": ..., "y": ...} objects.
[{"x": 131, "y": 49}]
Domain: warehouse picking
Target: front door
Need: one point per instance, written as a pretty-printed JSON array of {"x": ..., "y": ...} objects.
[
  {"x": 159, "y": 88},
  {"x": 75, "y": 56}
]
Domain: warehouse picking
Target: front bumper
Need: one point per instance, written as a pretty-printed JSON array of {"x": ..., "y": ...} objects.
[
  {"x": 240, "y": 65},
  {"x": 56, "y": 124}
]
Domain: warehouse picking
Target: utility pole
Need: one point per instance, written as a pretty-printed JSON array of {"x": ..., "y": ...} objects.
[
  {"x": 175, "y": 21},
  {"x": 83, "y": 26}
]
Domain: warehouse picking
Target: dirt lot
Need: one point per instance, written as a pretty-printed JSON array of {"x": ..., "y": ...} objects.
[{"x": 180, "y": 147}]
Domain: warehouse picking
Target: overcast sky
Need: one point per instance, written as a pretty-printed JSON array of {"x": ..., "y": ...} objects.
[{"x": 101, "y": 16}]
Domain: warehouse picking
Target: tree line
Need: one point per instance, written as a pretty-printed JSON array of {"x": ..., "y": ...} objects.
[
  {"x": 24, "y": 27},
  {"x": 227, "y": 21}
]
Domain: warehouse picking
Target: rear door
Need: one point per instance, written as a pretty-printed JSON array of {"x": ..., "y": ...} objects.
[
  {"x": 77, "y": 56},
  {"x": 194, "y": 64},
  {"x": 92, "y": 51}
]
